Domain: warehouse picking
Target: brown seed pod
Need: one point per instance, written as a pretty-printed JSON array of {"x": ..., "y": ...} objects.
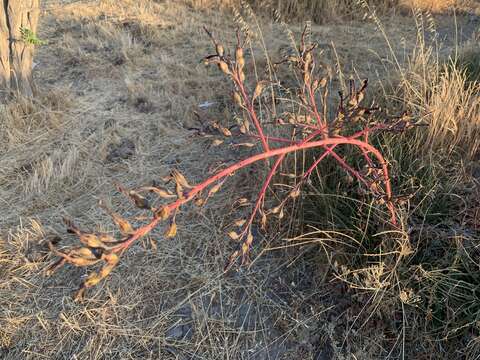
[
  {"x": 219, "y": 49},
  {"x": 217, "y": 142},
  {"x": 258, "y": 89},
  {"x": 180, "y": 179},
  {"x": 249, "y": 145},
  {"x": 172, "y": 230},
  {"x": 163, "y": 213},
  {"x": 199, "y": 201},
  {"x": 139, "y": 200},
  {"x": 225, "y": 131},
  {"x": 238, "y": 99},
  {"x": 215, "y": 189},
  {"x": 123, "y": 225},
  {"x": 276, "y": 209},
  {"x": 224, "y": 67},
  {"x": 163, "y": 193},
  {"x": 295, "y": 193},
  {"x": 240, "y": 58},
  {"x": 233, "y": 235},
  {"x": 240, "y": 222}
]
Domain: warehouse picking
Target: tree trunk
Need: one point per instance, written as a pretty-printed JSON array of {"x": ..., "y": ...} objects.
[
  {"x": 16, "y": 55},
  {"x": 4, "y": 52}
]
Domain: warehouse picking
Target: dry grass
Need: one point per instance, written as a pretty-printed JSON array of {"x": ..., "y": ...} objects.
[
  {"x": 326, "y": 11},
  {"x": 118, "y": 83}
]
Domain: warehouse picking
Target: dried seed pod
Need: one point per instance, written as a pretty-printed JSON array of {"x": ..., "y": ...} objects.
[
  {"x": 263, "y": 222},
  {"x": 258, "y": 89},
  {"x": 93, "y": 279},
  {"x": 163, "y": 193},
  {"x": 199, "y": 201},
  {"x": 240, "y": 222},
  {"x": 239, "y": 58},
  {"x": 90, "y": 239},
  {"x": 242, "y": 201},
  {"x": 238, "y": 99},
  {"x": 249, "y": 145},
  {"x": 245, "y": 249},
  {"x": 163, "y": 213},
  {"x": 139, "y": 200},
  {"x": 215, "y": 189},
  {"x": 180, "y": 179},
  {"x": 224, "y": 67},
  {"x": 172, "y": 230},
  {"x": 295, "y": 193},
  {"x": 233, "y": 235},
  {"x": 281, "y": 214},
  {"x": 136, "y": 198},
  {"x": 242, "y": 77},
  {"x": 242, "y": 129},
  {"x": 217, "y": 142},
  {"x": 245, "y": 126},
  {"x": 225, "y": 131},
  {"x": 323, "y": 82},
  {"x": 360, "y": 97},
  {"x": 123, "y": 225},
  {"x": 219, "y": 49},
  {"x": 276, "y": 209},
  {"x": 211, "y": 59}
]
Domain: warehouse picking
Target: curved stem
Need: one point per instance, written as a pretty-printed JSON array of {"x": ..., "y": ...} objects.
[{"x": 142, "y": 231}]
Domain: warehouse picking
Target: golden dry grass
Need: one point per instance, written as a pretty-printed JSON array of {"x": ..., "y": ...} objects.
[{"x": 119, "y": 81}]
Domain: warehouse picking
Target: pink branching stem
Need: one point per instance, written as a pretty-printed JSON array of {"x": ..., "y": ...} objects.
[
  {"x": 251, "y": 111},
  {"x": 264, "y": 188},
  {"x": 321, "y": 124},
  {"x": 328, "y": 150},
  {"x": 142, "y": 231}
]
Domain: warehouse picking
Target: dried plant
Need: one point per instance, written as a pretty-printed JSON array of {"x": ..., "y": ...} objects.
[{"x": 352, "y": 125}]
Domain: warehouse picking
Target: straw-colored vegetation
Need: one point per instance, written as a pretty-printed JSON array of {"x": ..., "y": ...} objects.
[{"x": 121, "y": 90}]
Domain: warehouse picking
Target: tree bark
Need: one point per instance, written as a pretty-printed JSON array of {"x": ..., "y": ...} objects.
[
  {"x": 16, "y": 55},
  {"x": 4, "y": 51}
]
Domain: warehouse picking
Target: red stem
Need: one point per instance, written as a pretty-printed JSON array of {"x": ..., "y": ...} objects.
[
  {"x": 140, "y": 232},
  {"x": 251, "y": 111}
]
